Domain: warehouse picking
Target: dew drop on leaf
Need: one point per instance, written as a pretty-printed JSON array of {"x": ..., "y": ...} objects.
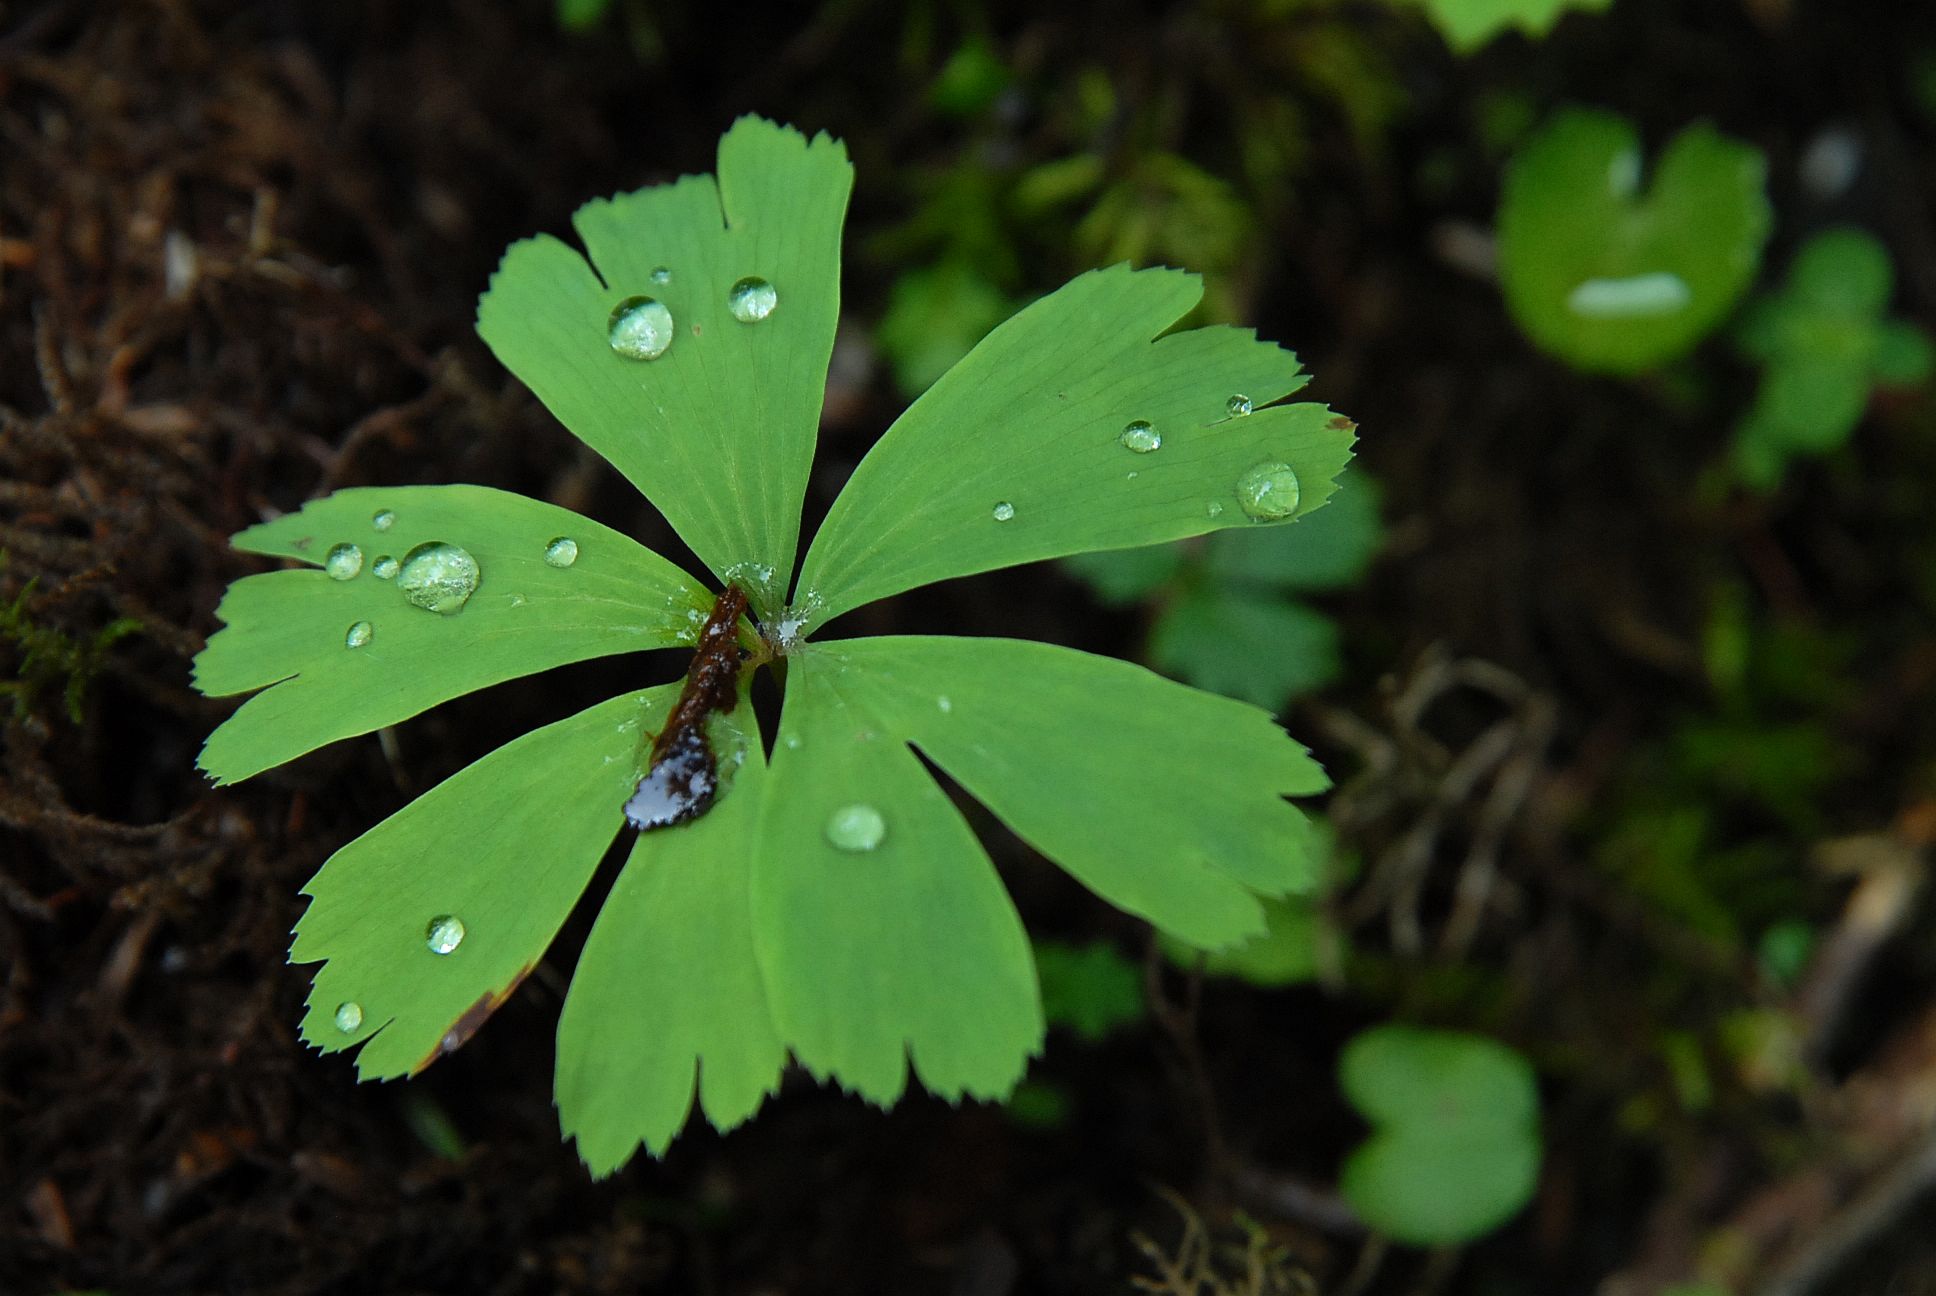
[
  {"x": 349, "y": 1015},
  {"x": 438, "y": 577},
  {"x": 1237, "y": 406},
  {"x": 752, "y": 299},
  {"x": 383, "y": 519},
  {"x": 857, "y": 827},
  {"x": 1141, "y": 437},
  {"x": 944, "y": 704},
  {"x": 358, "y": 634},
  {"x": 661, "y": 275},
  {"x": 385, "y": 568},
  {"x": 1268, "y": 491},
  {"x": 793, "y": 742},
  {"x": 562, "y": 552},
  {"x": 1004, "y": 511},
  {"x": 640, "y": 328},
  {"x": 1215, "y": 509},
  {"x": 343, "y": 561},
  {"x": 444, "y": 934}
]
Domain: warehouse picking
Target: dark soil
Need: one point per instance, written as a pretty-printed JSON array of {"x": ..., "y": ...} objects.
[{"x": 240, "y": 247}]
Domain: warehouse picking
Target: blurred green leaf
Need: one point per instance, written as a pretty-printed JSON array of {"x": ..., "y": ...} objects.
[
  {"x": 1614, "y": 279},
  {"x": 1090, "y": 989},
  {"x": 1119, "y": 576},
  {"x": 1469, "y": 24},
  {"x": 934, "y": 317},
  {"x": 970, "y": 80},
  {"x": 1257, "y": 648},
  {"x": 1455, "y": 1144},
  {"x": 1328, "y": 550}
]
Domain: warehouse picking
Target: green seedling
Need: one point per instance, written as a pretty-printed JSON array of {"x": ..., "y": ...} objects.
[
  {"x": 47, "y": 658},
  {"x": 1455, "y": 1147},
  {"x": 1617, "y": 275},
  {"x": 1824, "y": 342},
  {"x": 934, "y": 317},
  {"x": 1230, "y": 618},
  {"x": 824, "y": 899},
  {"x": 1468, "y": 25}
]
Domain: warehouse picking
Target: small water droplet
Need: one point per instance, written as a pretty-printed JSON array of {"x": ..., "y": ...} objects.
[
  {"x": 349, "y": 1015},
  {"x": 793, "y": 742},
  {"x": 1642, "y": 296},
  {"x": 1237, "y": 406},
  {"x": 359, "y": 634},
  {"x": 856, "y": 827},
  {"x": 385, "y": 568},
  {"x": 343, "y": 561},
  {"x": 444, "y": 933},
  {"x": 1004, "y": 511},
  {"x": 661, "y": 275},
  {"x": 752, "y": 299},
  {"x": 1141, "y": 437},
  {"x": 438, "y": 577},
  {"x": 1131, "y": 476},
  {"x": 1216, "y": 509},
  {"x": 562, "y": 552},
  {"x": 640, "y": 328},
  {"x": 383, "y": 519},
  {"x": 1268, "y": 491},
  {"x": 945, "y": 703}
]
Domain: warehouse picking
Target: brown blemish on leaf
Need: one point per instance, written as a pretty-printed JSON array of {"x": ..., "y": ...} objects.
[
  {"x": 473, "y": 1017},
  {"x": 1342, "y": 424},
  {"x": 683, "y": 777}
]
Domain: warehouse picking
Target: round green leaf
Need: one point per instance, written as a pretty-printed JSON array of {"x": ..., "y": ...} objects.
[{"x": 1614, "y": 277}]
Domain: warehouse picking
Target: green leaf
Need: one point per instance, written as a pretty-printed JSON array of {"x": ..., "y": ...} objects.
[
  {"x": 505, "y": 846},
  {"x": 1118, "y": 576},
  {"x": 900, "y": 946},
  {"x": 1455, "y": 1145},
  {"x": 286, "y": 631},
  {"x": 1285, "y": 954},
  {"x": 1326, "y": 550},
  {"x": 1257, "y": 648},
  {"x": 1164, "y": 801},
  {"x": 934, "y": 317},
  {"x": 1610, "y": 278},
  {"x": 1469, "y": 24},
  {"x": 1032, "y": 419},
  {"x": 718, "y": 432},
  {"x": 1091, "y": 989},
  {"x": 668, "y": 986}
]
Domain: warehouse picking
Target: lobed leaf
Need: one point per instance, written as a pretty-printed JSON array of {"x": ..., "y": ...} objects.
[
  {"x": 668, "y": 987},
  {"x": 505, "y": 846},
  {"x": 718, "y": 432},
  {"x": 1469, "y": 24},
  {"x": 902, "y": 946},
  {"x": 1165, "y": 801},
  {"x": 1262, "y": 649},
  {"x": 1029, "y": 426},
  {"x": 286, "y": 631}
]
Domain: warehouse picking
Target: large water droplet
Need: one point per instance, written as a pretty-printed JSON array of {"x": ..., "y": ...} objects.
[
  {"x": 1268, "y": 491},
  {"x": 640, "y": 328},
  {"x": 1642, "y": 296},
  {"x": 752, "y": 299},
  {"x": 1237, "y": 406},
  {"x": 1141, "y": 437},
  {"x": 856, "y": 827},
  {"x": 562, "y": 552},
  {"x": 383, "y": 519},
  {"x": 661, "y": 275},
  {"x": 385, "y": 568},
  {"x": 444, "y": 933},
  {"x": 343, "y": 561},
  {"x": 349, "y": 1015},
  {"x": 438, "y": 577},
  {"x": 1003, "y": 511},
  {"x": 359, "y": 634}
]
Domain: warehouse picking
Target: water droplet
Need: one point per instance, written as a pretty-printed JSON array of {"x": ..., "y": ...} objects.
[
  {"x": 438, "y": 577},
  {"x": 1141, "y": 437},
  {"x": 359, "y": 634},
  {"x": 661, "y": 275},
  {"x": 1268, "y": 491},
  {"x": 1216, "y": 509},
  {"x": 945, "y": 703},
  {"x": 793, "y": 742},
  {"x": 562, "y": 552},
  {"x": 752, "y": 299},
  {"x": 383, "y": 519},
  {"x": 856, "y": 827},
  {"x": 1642, "y": 296},
  {"x": 640, "y": 328},
  {"x": 1004, "y": 511},
  {"x": 385, "y": 568},
  {"x": 444, "y": 934},
  {"x": 349, "y": 1015},
  {"x": 343, "y": 562},
  {"x": 1237, "y": 406}
]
